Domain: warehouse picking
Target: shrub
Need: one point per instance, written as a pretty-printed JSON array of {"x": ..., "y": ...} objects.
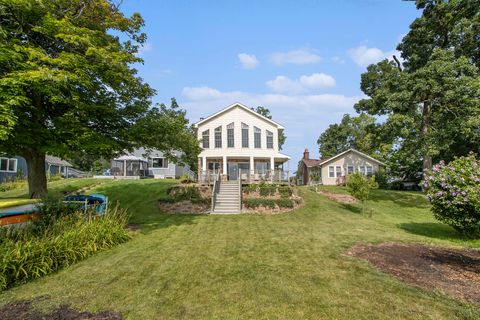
[
  {"x": 13, "y": 184},
  {"x": 359, "y": 186},
  {"x": 250, "y": 188},
  {"x": 25, "y": 255},
  {"x": 180, "y": 193},
  {"x": 185, "y": 178},
  {"x": 454, "y": 193},
  {"x": 285, "y": 191},
  {"x": 267, "y": 190},
  {"x": 268, "y": 203}
]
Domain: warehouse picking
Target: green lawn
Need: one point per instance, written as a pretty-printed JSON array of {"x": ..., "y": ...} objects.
[{"x": 287, "y": 266}]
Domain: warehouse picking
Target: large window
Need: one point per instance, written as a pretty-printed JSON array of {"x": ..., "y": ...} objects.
[
  {"x": 8, "y": 165},
  {"x": 361, "y": 169},
  {"x": 244, "y": 135},
  {"x": 269, "y": 140},
  {"x": 159, "y": 163},
  {"x": 369, "y": 171},
  {"x": 350, "y": 169},
  {"x": 331, "y": 172},
  {"x": 218, "y": 137},
  {"x": 262, "y": 167},
  {"x": 257, "y": 137},
  {"x": 338, "y": 170},
  {"x": 206, "y": 139},
  {"x": 230, "y": 136}
]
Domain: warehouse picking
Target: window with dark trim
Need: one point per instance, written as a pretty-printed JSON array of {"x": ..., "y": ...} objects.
[
  {"x": 206, "y": 139},
  {"x": 244, "y": 135},
  {"x": 257, "y": 137},
  {"x": 8, "y": 164},
  {"x": 230, "y": 136},
  {"x": 159, "y": 163},
  {"x": 218, "y": 137},
  {"x": 269, "y": 140}
]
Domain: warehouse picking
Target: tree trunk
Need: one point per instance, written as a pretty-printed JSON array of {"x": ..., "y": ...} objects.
[
  {"x": 427, "y": 159},
  {"x": 37, "y": 179}
]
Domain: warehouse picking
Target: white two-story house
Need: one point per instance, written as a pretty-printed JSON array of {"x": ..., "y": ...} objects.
[{"x": 237, "y": 142}]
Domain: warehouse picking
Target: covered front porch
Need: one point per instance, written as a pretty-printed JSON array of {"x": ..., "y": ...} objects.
[{"x": 248, "y": 169}]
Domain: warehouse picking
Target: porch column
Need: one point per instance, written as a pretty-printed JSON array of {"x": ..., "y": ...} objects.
[
  {"x": 252, "y": 169},
  {"x": 224, "y": 167},
  {"x": 124, "y": 168},
  {"x": 288, "y": 173},
  {"x": 204, "y": 164},
  {"x": 272, "y": 167}
]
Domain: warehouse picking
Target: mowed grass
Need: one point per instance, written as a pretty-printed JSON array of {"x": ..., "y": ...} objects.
[{"x": 288, "y": 266}]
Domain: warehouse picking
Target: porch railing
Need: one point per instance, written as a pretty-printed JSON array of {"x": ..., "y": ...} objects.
[
  {"x": 268, "y": 176},
  {"x": 215, "y": 189}
]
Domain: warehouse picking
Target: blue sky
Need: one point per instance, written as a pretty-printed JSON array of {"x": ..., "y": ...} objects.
[{"x": 301, "y": 59}]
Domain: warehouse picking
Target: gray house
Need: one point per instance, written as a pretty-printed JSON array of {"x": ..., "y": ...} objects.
[
  {"x": 142, "y": 163},
  {"x": 16, "y": 167}
]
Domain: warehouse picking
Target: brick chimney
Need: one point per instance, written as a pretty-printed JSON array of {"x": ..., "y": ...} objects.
[{"x": 306, "y": 154}]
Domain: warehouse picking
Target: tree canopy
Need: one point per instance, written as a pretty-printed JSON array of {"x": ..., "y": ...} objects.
[
  {"x": 360, "y": 133},
  {"x": 266, "y": 113},
  {"x": 68, "y": 85}
]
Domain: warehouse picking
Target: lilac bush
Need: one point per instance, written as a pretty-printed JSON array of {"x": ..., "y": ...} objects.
[{"x": 454, "y": 191}]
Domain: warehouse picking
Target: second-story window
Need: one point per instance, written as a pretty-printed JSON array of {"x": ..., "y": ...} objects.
[
  {"x": 244, "y": 135},
  {"x": 269, "y": 139},
  {"x": 230, "y": 136},
  {"x": 257, "y": 138},
  {"x": 206, "y": 139},
  {"x": 218, "y": 137}
]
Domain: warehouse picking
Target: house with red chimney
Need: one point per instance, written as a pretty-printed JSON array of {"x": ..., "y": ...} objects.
[{"x": 334, "y": 170}]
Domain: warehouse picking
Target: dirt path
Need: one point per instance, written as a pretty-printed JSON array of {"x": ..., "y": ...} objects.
[{"x": 453, "y": 271}]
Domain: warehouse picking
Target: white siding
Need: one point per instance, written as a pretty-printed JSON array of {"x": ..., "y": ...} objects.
[{"x": 238, "y": 115}]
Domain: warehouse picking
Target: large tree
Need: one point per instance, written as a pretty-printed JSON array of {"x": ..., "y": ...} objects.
[
  {"x": 432, "y": 99},
  {"x": 361, "y": 133},
  {"x": 68, "y": 85},
  {"x": 266, "y": 113}
]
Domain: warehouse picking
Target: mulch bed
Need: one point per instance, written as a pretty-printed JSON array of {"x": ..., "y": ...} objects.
[
  {"x": 183, "y": 207},
  {"x": 23, "y": 310},
  {"x": 342, "y": 198},
  {"x": 453, "y": 271}
]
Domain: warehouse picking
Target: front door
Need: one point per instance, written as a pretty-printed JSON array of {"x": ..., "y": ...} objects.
[{"x": 232, "y": 169}]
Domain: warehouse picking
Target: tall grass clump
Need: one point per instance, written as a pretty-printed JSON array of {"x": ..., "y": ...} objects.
[{"x": 56, "y": 241}]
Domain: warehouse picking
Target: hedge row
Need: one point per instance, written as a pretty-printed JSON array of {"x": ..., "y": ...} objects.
[{"x": 268, "y": 203}]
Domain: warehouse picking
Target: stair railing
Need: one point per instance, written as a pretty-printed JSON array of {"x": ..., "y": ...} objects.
[
  {"x": 240, "y": 190},
  {"x": 216, "y": 187}
]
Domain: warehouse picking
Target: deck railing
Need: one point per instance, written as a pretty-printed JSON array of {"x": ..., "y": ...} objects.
[{"x": 215, "y": 189}]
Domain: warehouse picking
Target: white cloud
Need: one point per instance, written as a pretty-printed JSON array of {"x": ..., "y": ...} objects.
[
  {"x": 364, "y": 56},
  {"x": 248, "y": 61},
  {"x": 301, "y": 56},
  {"x": 201, "y": 93},
  {"x": 317, "y": 80},
  {"x": 338, "y": 60},
  {"x": 283, "y": 84}
]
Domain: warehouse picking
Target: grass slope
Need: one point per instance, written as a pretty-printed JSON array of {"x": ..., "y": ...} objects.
[{"x": 253, "y": 266}]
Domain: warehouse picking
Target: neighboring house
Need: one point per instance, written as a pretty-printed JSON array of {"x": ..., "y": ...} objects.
[
  {"x": 333, "y": 170},
  {"x": 237, "y": 141},
  {"x": 15, "y": 167},
  {"x": 141, "y": 163}
]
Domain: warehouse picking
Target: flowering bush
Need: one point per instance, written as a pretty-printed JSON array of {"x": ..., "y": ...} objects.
[{"x": 454, "y": 192}]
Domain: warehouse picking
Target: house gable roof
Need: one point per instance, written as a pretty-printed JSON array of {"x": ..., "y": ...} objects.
[
  {"x": 323, "y": 161},
  {"x": 241, "y": 106},
  {"x": 311, "y": 162},
  {"x": 57, "y": 161}
]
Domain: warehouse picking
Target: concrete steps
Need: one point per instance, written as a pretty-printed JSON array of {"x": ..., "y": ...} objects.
[{"x": 228, "y": 199}]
